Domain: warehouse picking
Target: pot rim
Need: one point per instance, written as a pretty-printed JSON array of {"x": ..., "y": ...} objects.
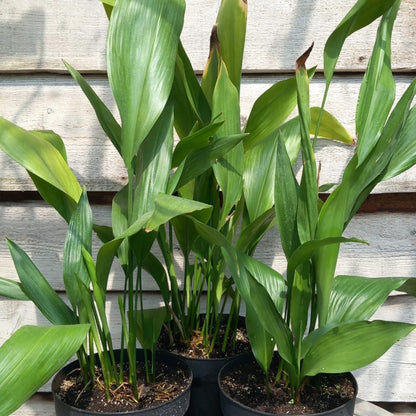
[{"x": 250, "y": 356}]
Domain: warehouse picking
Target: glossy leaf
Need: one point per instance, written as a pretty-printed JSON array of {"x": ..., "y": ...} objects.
[
  {"x": 39, "y": 157},
  {"x": 12, "y": 290},
  {"x": 31, "y": 356},
  {"x": 361, "y": 14},
  {"x": 38, "y": 289},
  {"x": 79, "y": 236},
  {"x": 231, "y": 29},
  {"x": 377, "y": 90},
  {"x": 271, "y": 109},
  {"x": 229, "y": 169},
  {"x": 141, "y": 77},
  {"x": 355, "y": 298},
  {"x": 352, "y": 345},
  {"x": 149, "y": 325}
]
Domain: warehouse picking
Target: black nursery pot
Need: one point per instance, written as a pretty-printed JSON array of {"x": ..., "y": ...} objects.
[
  {"x": 175, "y": 407},
  {"x": 231, "y": 407},
  {"x": 205, "y": 398}
]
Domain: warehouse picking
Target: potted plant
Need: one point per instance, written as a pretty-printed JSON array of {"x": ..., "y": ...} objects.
[
  {"x": 321, "y": 323},
  {"x": 141, "y": 80}
]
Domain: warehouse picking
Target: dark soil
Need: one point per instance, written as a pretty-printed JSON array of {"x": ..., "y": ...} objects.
[
  {"x": 169, "y": 383},
  {"x": 195, "y": 348},
  {"x": 246, "y": 384}
]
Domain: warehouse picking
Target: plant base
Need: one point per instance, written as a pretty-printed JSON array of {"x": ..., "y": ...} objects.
[
  {"x": 158, "y": 400},
  {"x": 243, "y": 393}
]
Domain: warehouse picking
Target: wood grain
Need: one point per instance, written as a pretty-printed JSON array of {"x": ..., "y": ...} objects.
[{"x": 36, "y": 37}]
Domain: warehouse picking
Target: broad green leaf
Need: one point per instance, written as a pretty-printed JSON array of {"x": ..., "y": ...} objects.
[
  {"x": 168, "y": 207},
  {"x": 377, "y": 90},
  {"x": 261, "y": 342},
  {"x": 409, "y": 287},
  {"x": 195, "y": 141},
  {"x": 270, "y": 279},
  {"x": 352, "y": 345},
  {"x": 362, "y": 14},
  {"x": 329, "y": 127},
  {"x": 12, "y": 290},
  {"x": 304, "y": 252},
  {"x": 254, "y": 231},
  {"x": 307, "y": 209},
  {"x": 31, "y": 356},
  {"x": 156, "y": 269},
  {"x": 107, "y": 121},
  {"x": 141, "y": 77},
  {"x": 59, "y": 200},
  {"x": 355, "y": 298},
  {"x": 271, "y": 109},
  {"x": 149, "y": 325},
  {"x": 231, "y": 30},
  {"x": 39, "y": 157},
  {"x": 286, "y": 192},
  {"x": 229, "y": 169},
  {"x": 404, "y": 156},
  {"x": 259, "y": 174},
  {"x": 191, "y": 106},
  {"x": 200, "y": 160},
  {"x": 79, "y": 236},
  {"x": 153, "y": 164},
  {"x": 38, "y": 290}
]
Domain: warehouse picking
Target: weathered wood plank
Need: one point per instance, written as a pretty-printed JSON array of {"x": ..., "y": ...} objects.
[
  {"x": 57, "y": 103},
  {"x": 41, "y": 232},
  {"x": 36, "y": 37},
  {"x": 42, "y": 405}
]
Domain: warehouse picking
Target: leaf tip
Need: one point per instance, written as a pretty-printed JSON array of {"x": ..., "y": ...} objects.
[{"x": 300, "y": 62}]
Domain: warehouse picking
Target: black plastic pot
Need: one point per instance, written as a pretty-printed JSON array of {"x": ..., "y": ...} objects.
[
  {"x": 231, "y": 407},
  {"x": 205, "y": 399},
  {"x": 175, "y": 407}
]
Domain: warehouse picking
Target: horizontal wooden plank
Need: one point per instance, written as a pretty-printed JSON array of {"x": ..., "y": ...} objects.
[
  {"x": 41, "y": 404},
  {"x": 390, "y": 378},
  {"x": 35, "y": 37},
  {"x": 41, "y": 232},
  {"x": 57, "y": 103}
]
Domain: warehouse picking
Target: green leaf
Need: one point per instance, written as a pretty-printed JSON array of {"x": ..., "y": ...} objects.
[
  {"x": 12, "y": 290},
  {"x": 362, "y": 14},
  {"x": 79, "y": 236},
  {"x": 191, "y": 106},
  {"x": 229, "y": 169},
  {"x": 201, "y": 159},
  {"x": 168, "y": 207},
  {"x": 141, "y": 77},
  {"x": 231, "y": 30},
  {"x": 259, "y": 174},
  {"x": 149, "y": 325},
  {"x": 307, "y": 210},
  {"x": 355, "y": 298},
  {"x": 404, "y": 156},
  {"x": 271, "y": 109},
  {"x": 195, "y": 141},
  {"x": 261, "y": 341},
  {"x": 39, "y": 157},
  {"x": 31, "y": 356},
  {"x": 286, "y": 192},
  {"x": 107, "y": 121},
  {"x": 377, "y": 90},
  {"x": 38, "y": 290},
  {"x": 353, "y": 345}
]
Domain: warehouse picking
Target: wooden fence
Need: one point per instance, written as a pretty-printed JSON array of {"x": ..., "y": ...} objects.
[{"x": 37, "y": 93}]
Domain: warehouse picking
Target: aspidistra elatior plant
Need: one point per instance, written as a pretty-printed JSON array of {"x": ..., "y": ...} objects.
[{"x": 320, "y": 322}]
